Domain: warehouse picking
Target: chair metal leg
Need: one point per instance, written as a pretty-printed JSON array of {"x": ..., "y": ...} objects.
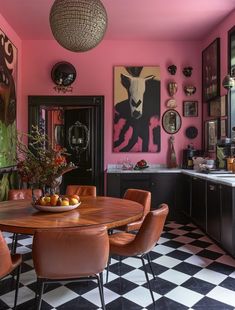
[
  {"x": 107, "y": 269},
  {"x": 147, "y": 278},
  {"x": 39, "y": 292},
  {"x": 14, "y": 243},
  {"x": 102, "y": 281},
  {"x": 150, "y": 265},
  {"x": 101, "y": 290},
  {"x": 17, "y": 286}
]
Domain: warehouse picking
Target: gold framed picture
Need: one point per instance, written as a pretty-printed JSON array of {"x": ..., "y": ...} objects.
[{"x": 217, "y": 107}]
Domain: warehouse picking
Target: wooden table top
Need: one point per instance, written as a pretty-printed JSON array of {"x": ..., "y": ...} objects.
[{"x": 19, "y": 216}]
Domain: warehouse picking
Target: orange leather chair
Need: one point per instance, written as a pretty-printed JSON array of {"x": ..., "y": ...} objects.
[
  {"x": 142, "y": 197},
  {"x": 139, "y": 245},
  {"x": 8, "y": 263},
  {"x": 70, "y": 254},
  {"x": 81, "y": 190},
  {"x": 19, "y": 194},
  {"x": 16, "y": 194}
]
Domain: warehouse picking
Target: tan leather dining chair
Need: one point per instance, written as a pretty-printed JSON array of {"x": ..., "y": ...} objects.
[
  {"x": 8, "y": 263},
  {"x": 139, "y": 245},
  {"x": 16, "y": 194},
  {"x": 81, "y": 190},
  {"x": 19, "y": 194},
  {"x": 142, "y": 197},
  {"x": 70, "y": 254}
]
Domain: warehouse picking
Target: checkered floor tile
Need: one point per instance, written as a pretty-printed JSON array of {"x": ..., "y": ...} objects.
[{"x": 192, "y": 273}]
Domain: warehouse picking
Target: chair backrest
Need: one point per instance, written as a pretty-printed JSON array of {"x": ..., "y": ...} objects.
[
  {"x": 140, "y": 196},
  {"x": 5, "y": 258},
  {"x": 81, "y": 190},
  {"x": 18, "y": 194},
  {"x": 150, "y": 231},
  {"x": 71, "y": 252}
]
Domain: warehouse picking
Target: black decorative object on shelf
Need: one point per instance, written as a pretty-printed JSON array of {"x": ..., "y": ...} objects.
[
  {"x": 172, "y": 69},
  {"x": 191, "y": 132},
  {"x": 187, "y": 71}
]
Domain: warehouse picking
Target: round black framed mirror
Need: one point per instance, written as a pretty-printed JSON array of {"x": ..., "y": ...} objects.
[
  {"x": 171, "y": 121},
  {"x": 63, "y": 73}
]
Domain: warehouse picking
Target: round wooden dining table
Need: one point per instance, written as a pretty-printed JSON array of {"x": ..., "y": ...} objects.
[{"x": 19, "y": 216}]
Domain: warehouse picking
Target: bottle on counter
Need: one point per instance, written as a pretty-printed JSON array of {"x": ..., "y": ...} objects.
[{"x": 190, "y": 156}]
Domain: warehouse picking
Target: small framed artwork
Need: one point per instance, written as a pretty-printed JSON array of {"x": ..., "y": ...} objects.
[
  {"x": 190, "y": 108},
  {"x": 211, "y": 71},
  {"x": 217, "y": 107},
  {"x": 211, "y": 133},
  {"x": 222, "y": 128}
]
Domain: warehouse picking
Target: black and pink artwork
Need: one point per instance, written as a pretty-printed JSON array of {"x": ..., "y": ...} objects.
[
  {"x": 8, "y": 77},
  {"x": 137, "y": 126}
]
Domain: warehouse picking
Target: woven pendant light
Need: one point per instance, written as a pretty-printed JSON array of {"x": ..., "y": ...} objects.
[{"x": 78, "y": 25}]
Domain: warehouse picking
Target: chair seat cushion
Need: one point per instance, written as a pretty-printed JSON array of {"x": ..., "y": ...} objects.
[{"x": 121, "y": 244}]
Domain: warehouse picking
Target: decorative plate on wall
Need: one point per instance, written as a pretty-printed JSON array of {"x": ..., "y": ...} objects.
[{"x": 191, "y": 132}]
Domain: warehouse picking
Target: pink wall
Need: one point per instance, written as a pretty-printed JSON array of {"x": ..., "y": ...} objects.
[
  {"x": 12, "y": 35},
  {"x": 95, "y": 77}
]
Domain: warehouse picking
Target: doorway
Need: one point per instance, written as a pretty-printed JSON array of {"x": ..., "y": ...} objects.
[{"x": 76, "y": 123}]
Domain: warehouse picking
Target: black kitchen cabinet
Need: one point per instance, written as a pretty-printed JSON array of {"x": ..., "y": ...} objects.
[
  {"x": 113, "y": 181},
  {"x": 164, "y": 188},
  {"x": 134, "y": 180},
  {"x": 213, "y": 211},
  {"x": 198, "y": 203},
  {"x": 118, "y": 183},
  {"x": 185, "y": 194},
  {"x": 227, "y": 195}
]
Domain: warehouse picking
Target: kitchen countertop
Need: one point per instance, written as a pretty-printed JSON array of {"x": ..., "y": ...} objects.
[{"x": 221, "y": 178}]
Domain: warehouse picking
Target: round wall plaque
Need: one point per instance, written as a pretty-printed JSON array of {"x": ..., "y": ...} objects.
[{"x": 191, "y": 132}]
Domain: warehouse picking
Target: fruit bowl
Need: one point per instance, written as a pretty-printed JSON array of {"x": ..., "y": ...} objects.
[{"x": 56, "y": 208}]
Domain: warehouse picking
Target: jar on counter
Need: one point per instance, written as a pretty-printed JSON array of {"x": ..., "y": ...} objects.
[{"x": 230, "y": 164}]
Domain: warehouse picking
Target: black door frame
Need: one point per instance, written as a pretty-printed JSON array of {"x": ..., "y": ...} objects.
[{"x": 35, "y": 104}]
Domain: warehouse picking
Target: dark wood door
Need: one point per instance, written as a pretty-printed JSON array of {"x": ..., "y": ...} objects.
[{"x": 80, "y": 144}]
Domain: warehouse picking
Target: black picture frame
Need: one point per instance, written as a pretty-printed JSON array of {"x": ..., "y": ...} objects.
[
  {"x": 190, "y": 108},
  {"x": 211, "y": 71}
]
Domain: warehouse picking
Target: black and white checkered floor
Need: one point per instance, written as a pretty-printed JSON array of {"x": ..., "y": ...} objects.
[{"x": 192, "y": 273}]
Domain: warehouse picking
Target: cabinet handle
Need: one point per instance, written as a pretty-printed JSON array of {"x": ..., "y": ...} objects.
[
  {"x": 211, "y": 187},
  {"x": 194, "y": 178},
  {"x": 89, "y": 169},
  {"x": 153, "y": 184}
]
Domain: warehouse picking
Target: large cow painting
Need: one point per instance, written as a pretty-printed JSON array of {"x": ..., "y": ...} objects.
[
  {"x": 8, "y": 75},
  {"x": 136, "y": 109}
]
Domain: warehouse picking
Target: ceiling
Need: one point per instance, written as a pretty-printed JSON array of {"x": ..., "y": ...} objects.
[{"x": 128, "y": 19}]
